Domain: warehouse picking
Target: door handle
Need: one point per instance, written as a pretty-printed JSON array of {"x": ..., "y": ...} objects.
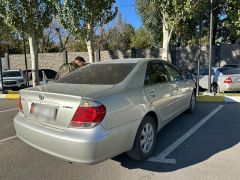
[{"x": 152, "y": 93}]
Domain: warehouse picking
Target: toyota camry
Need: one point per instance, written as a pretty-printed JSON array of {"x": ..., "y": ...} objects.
[{"x": 104, "y": 109}]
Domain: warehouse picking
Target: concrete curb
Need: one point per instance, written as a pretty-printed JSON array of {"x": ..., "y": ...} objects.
[{"x": 206, "y": 98}]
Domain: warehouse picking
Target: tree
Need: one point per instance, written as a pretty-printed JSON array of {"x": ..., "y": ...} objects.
[
  {"x": 167, "y": 14},
  {"x": 117, "y": 37},
  {"x": 141, "y": 39},
  {"x": 82, "y": 17},
  {"x": 62, "y": 34},
  {"x": 76, "y": 46},
  {"x": 231, "y": 23},
  {"x": 29, "y": 18}
]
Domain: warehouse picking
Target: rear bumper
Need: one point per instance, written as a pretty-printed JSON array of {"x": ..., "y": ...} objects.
[
  {"x": 88, "y": 146},
  {"x": 230, "y": 87}
]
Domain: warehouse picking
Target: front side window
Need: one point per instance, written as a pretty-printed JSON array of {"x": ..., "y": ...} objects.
[
  {"x": 174, "y": 74},
  {"x": 155, "y": 73},
  {"x": 99, "y": 74}
]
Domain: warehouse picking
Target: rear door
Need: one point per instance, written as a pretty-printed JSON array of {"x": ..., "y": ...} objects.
[{"x": 159, "y": 91}]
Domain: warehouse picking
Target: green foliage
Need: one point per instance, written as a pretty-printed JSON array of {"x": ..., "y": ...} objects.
[
  {"x": 76, "y": 15},
  {"x": 141, "y": 39},
  {"x": 26, "y": 16},
  {"x": 116, "y": 38},
  {"x": 183, "y": 18},
  {"x": 171, "y": 14},
  {"x": 232, "y": 21},
  {"x": 152, "y": 19},
  {"x": 76, "y": 46}
]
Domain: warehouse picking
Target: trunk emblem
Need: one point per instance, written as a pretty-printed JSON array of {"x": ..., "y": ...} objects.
[{"x": 41, "y": 97}]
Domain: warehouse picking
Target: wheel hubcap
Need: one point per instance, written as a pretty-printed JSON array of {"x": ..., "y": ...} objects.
[{"x": 147, "y": 138}]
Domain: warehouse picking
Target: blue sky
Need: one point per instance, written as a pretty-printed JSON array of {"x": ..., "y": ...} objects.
[{"x": 129, "y": 14}]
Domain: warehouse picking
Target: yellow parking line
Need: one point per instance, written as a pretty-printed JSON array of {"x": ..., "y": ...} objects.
[
  {"x": 12, "y": 96},
  {"x": 13, "y": 92},
  {"x": 210, "y": 99}
]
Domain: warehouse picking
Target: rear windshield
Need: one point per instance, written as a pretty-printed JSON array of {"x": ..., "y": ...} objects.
[
  {"x": 12, "y": 74},
  {"x": 99, "y": 74},
  {"x": 229, "y": 71},
  {"x": 231, "y": 65}
]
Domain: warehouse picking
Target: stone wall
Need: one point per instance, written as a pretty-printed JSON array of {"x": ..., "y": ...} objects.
[{"x": 183, "y": 57}]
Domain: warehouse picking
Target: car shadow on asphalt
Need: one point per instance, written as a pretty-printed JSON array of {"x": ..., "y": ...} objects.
[{"x": 220, "y": 133}]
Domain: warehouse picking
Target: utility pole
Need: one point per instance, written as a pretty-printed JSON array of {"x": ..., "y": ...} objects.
[
  {"x": 1, "y": 74},
  {"x": 25, "y": 59},
  {"x": 200, "y": 47},
  {"x": 210, "y": 48}
]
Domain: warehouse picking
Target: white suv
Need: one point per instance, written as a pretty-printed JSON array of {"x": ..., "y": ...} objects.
[{"x": 14, "y": 79}]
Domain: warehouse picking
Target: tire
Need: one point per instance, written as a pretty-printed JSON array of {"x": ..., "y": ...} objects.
[
  {"x": 22, "y": 86},
  {"x": 192, "y": 105},
  {"x": 144, "y": 147}
]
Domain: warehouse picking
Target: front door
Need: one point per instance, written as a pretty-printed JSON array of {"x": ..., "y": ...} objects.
[
  {"x": 159, "y": 90},
  {"x": 181, "y": 90}
]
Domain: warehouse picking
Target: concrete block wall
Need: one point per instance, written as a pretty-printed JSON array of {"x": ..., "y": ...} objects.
[{"x": 183, "y": 57}]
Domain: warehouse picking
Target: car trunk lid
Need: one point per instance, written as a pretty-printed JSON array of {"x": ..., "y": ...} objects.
[{"x": 55, "y": 107}]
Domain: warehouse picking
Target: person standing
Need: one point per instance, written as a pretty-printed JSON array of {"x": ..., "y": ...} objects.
[{"x": 67, "y": 68}]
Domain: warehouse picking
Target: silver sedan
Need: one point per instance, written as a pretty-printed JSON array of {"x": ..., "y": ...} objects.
[
  {"x": 104, "y": 109},
  {"x": 223, "y": 79},
  {"x": 226, "y": 79}
]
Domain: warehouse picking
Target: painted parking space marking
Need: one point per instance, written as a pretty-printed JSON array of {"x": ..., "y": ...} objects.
[
  {"x": 162, "y": 156},
  {"x": 8, "y": 110},
  {"x": 7, "y": 139}
]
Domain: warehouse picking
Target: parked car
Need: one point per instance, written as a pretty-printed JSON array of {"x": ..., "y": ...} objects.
[
  {"x": 14, "y": 79},
  {"x": 222, "y": 79},
  {"x": 104, "y": 109},
  {"x": 226, "y": 79},
  {"x": 51, "y": 74},
  {"x": 203, "y": 77}
]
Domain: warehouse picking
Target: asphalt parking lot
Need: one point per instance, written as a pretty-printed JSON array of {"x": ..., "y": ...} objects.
[{"x": 203, "y": 145}]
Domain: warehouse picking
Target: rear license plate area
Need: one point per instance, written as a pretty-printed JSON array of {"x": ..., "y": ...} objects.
[
  {"x": 238, "y": 80},
  {"x": 43, "y": 111}
]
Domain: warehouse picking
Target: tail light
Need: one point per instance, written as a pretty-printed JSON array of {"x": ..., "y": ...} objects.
[
  {"x": 20, "y": 108},
  {"x": 228, "y": 80},
  {"x": 88, "y": 115}
]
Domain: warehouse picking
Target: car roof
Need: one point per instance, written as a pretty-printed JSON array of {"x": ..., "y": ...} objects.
[
  {"x": 129, "y": 60},
  {"x": 11, "y": 70},
  {"x": 232, "y": 64}
]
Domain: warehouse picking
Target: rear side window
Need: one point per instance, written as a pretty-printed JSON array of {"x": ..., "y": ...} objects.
[
  {"x": 229, "y": 71},
  {"x": 99, "y": 74},
  {"x": 50, "y": 74},
  {"x": 155, "y": 74}
]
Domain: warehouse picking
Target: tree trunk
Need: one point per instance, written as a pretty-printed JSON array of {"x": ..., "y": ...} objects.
[
  {"x": 89, "y": 42},
  {"x": 166, "y": 40},
  {"x": 34, "y": 59}
]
